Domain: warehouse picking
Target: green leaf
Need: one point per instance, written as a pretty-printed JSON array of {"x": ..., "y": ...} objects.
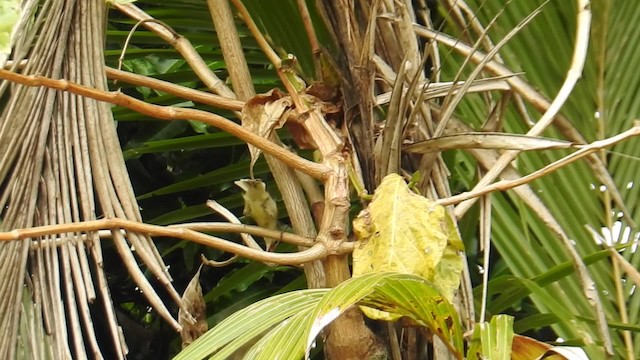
[
  {"x": 214, "y": 140},
  {"x": 448, "y": 270},
  {"x": 298, "y": 317},
  {"x": 404, "y": 294},
  {"x": 492, "y": 340},
  {"x": 225, "y": 174},
  {"x": 238, "y": 280},
  {"x": 281, "y": 337},
  {"x": 600, "y": 105},
  {"x": 244, "y": 325},
  {"x": 285, "y": 28},
  {"x": 181, "y": 215}
]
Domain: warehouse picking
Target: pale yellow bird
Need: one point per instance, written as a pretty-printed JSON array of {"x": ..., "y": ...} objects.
[{"x": 260, "y": 206}]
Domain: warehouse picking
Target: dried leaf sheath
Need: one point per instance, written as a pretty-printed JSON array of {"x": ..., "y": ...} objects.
[{"x": 60, "y": 162}]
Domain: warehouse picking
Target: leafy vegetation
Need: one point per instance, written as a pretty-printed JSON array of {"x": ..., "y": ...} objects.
[{"x": 445, "y": 94}]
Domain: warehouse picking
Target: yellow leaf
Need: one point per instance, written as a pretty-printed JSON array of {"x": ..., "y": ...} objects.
[
  {"x": 259, "y": 205},
  {"x": 448, "y": 270},
  {"x": 447, "y": 276},
  {"x": 402, "y": 231}
]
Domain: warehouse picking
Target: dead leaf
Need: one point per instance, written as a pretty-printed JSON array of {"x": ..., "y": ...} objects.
[
  {"x": 404, "y": 232},
  {"x": 322, "y": 91},
  {"x": 328, "y": 111},
  {"x": 193, "y": 324},
  {"x": 264, "y": 114},
  {"x": 524, "y": 347},
  {"x": 487, "y": 140},
  {"x": 300, "y": 136}
]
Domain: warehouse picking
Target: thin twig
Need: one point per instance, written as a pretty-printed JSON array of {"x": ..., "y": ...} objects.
[
  {"x": 133, "y": 30},
  {"x": 316, "y": 170},
  {"x": 317, "y": 251},
  {"x": 270, "y": 54},
  {"x": 225, "y": 227},
  {"x": 574, "y": 73},
  {"x": 184, "y": 92},
  {"x": 182, "y": 45},
  {"x": 510, "y": 184},
  {"x": 451, "y": 101},
  {"x": 246, "y": 238},
  {"x": 440, "y": 89},
  {"x": 485, "y": 245},
  {"x": 305, "y": 16},
  {"x": 215, "y": 263},
  {"x": 535, "y": 98}
]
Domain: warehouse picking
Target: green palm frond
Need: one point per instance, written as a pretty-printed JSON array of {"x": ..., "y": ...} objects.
[{"x": 599, "y": 107}]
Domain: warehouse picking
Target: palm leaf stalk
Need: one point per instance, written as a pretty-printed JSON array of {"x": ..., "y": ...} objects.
[{"x": 60, "y": 164}]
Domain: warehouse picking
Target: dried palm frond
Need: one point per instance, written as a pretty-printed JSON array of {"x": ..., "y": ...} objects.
[{"x": 60, "y": 162}]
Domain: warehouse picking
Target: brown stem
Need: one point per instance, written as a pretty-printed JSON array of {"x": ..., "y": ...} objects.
[
  {"x": 184, "y": 92},
  {"x": 348, "y": 332},
  {"x": 285, "y": 178},
  {"x": 311, "y": 36},
  {"x": 318, "y": 171},
  {"x": 317, "y": 251}
]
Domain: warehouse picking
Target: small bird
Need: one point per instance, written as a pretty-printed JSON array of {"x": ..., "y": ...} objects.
[{"x": 259, "y": 205}]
